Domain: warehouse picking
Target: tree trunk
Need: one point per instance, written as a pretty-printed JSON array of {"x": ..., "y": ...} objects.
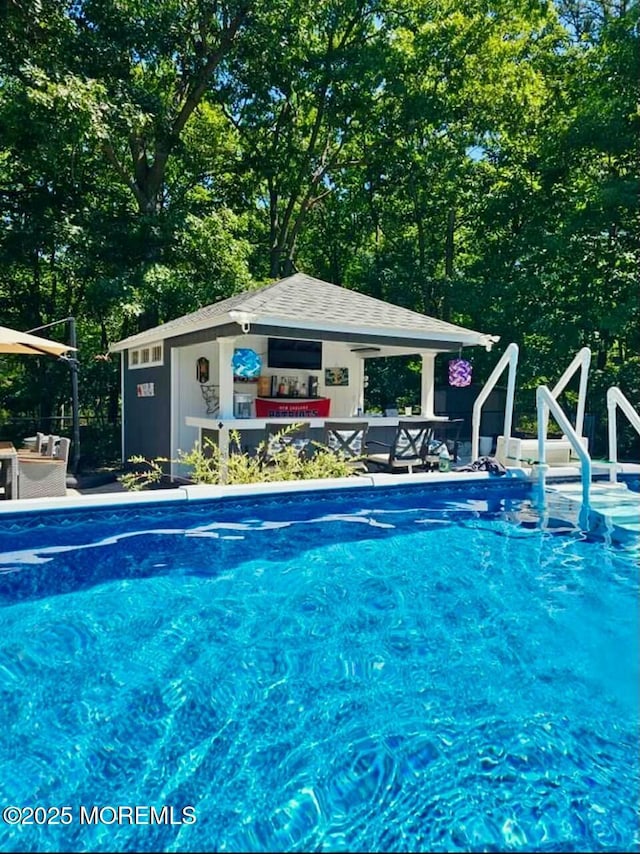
[{"x": 448, "y": 265}]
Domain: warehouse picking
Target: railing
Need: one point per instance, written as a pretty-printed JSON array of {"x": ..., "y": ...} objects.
[
  {"x": 510, "y": 358},
  {"x": 616, "y": 398},
  {"x": 546, "y": 402},
  {"x": 582, "y": 360}
]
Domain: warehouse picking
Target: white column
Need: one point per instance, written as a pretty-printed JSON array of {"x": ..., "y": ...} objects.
[
  {"x": 223, "y": 444},
  {"x": 359, "y": 384},
  {"x": 176, "y": 409},
  {"x": 427, "y": 390},
  {"x": 226, "y": 347}
]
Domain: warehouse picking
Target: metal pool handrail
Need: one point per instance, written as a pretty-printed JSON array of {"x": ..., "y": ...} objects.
[
  {"x": 546, "y": 402},
  {"x": 581, "y": 360},
  {"x": 616, "y": 398},
  {"x": 510, "y": 358}
]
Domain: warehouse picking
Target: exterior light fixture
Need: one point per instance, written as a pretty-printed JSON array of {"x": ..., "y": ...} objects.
[{"x": 243, "y": 319}]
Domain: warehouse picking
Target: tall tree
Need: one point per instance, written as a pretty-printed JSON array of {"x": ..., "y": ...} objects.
[{"x": 297, "y": 112}]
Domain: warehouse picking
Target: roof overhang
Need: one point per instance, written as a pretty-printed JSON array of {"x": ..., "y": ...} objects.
[
  {"x": 443, "y": 342},
  {"x": 404, "y": 337}
]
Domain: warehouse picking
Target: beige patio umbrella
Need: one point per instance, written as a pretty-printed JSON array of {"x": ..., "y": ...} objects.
[{"x": 13, "y": 341}]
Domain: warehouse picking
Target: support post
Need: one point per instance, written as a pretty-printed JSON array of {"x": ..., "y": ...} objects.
[
  {"x": 225, "y": 376},
  {"x": 75, "y": 408},
  {"x": 427, "y": 388},
  {"x": 359, "y": 387},
  {"x": 72, "y": 361}
]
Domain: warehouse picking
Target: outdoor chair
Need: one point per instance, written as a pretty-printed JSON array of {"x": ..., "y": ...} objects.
[
  {"x": 347, "y": 440},
  {"x": 279, "y": 436},
  {"x": 32, "y": 444},
  {"x": 42, "y": 445},
  {"x": 5, "y": 478},
  {"x": 50, "y": 446},
  {"x": 407, "y": 450},
  {"x": 43, "y": 476}
]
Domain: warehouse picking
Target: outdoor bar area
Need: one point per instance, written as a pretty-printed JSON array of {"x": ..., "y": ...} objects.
[
  {"x": 293, "y": 387},
  {"x": 293, "y": 351}
]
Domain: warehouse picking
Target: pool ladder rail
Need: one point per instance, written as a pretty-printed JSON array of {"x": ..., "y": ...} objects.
[
  {"x": 548, "y": 404},
  {"x": 616, "y": 400}
]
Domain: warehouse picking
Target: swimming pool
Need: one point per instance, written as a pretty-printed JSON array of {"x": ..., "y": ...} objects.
[{"x": 389, "y": 669}]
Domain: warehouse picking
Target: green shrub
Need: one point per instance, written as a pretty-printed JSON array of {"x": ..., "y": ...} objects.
[{"x": 209, "y": 467}]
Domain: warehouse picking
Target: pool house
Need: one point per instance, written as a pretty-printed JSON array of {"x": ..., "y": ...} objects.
[{"x": 294, "y": 350}]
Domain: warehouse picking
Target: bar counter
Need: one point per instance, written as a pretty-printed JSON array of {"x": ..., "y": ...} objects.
[{"x": 261, "y": 423}]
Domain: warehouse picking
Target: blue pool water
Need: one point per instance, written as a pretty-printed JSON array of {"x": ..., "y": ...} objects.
[{"x": 387, "y": 670}]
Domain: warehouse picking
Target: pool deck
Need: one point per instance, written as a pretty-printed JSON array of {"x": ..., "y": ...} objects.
[{"x": 113, "y": 494}]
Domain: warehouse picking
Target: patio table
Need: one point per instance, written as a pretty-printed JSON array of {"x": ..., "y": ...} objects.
[{"x": 9, "y": 459}]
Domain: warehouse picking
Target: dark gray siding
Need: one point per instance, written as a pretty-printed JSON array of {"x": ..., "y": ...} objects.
[
  {"x": 203, "y": 335},
  {"x": 147, "y": 420}
]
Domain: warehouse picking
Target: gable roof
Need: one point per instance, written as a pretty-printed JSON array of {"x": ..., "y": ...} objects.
[{"x": 303, "y": 302}]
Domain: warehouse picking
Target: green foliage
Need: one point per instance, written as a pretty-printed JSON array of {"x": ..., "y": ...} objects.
[
  {"x": 208, "y": 466},
  {"x": 137, "y": 480},
  {"x": 626, "y": 376},
  {"x": 473, "y": 161}
]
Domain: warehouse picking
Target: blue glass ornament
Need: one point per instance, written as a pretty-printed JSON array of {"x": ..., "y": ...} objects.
[{"x": 246, "y": 363}]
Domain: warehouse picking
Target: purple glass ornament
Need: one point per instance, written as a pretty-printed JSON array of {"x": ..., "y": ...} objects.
[{"x": 460, "y": 373}]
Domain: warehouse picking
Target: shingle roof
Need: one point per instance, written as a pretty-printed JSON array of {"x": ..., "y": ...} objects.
[{"x": 300, "y": 298}]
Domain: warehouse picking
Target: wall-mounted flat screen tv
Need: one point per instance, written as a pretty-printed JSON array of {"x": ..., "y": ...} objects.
[{"x": 290, "y": 353}]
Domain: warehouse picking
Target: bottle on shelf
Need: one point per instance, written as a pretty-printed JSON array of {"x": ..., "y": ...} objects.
[{"x": 312, "y": 386}]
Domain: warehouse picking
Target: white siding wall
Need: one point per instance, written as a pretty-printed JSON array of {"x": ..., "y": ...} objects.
[
  {"x": 345, "y": 400},
  {"x": 186, "y": 394},
  {"x": 188, "y": 400}
]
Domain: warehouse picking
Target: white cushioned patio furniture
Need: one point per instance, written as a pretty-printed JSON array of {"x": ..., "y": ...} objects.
[
  {"x": 41, "y": 443},
  {"x": 43, "y": 476}
]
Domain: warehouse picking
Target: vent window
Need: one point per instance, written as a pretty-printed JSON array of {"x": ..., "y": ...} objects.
[{"x": 149, "y": 356}]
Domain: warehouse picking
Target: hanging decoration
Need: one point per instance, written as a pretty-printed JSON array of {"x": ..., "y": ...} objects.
[
  {"x": 202, "y": 370},
  {"x": 460, "y": 373},
  {"x": 246, "y": 363}
]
